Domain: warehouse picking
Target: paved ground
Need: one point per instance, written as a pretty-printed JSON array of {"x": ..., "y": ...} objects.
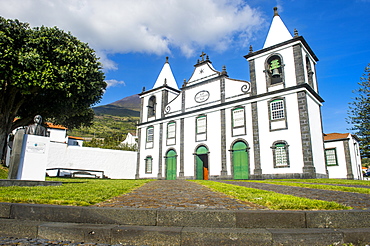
[
  {"x": 180, "y": 194},
  {"x": 177, "y": 194}
]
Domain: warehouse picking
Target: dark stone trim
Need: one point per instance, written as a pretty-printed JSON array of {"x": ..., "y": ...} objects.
[
  {"x": 347, "y": 155},
  {"x": 160, "y": 153},
  {"x": 164, "y": 102},
  {"x": 256, "y": 142},
  {"x": 241, "y": 100},
  {"x": 309, "y": 169},
  {"x": 182, "y": 144},
  {"x": 222, "y": 89},
  {"x": 159, "y": 88},
  {"x": 137, "y": 175},
  {"x": 268, "y": 49},
  {"x": 142, "y": 109},
  {"x": 223, "y": 143},
  {"x": 252, "y": 76},
  {"x": 183, "y": 101},
  {"x": 287, "y": 176},
  {"x": 298, "y": 64}
]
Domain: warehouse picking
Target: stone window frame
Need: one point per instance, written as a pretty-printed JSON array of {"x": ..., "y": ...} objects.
[
  {"x": 274, "y": 147},
  {"x": 268, "y": 71},
  {"x": 334, "y": 155},
  {"x": 309, "y": 71},
  {"x": 232, "y": 121},
  {"x": 196, "y": 128},
  {"x": 148, "y": 164},
  {"x": 148, "y": 140},
  {"x": 270, "y": 113},
  {"x": 174, "y": 137},
  {"x": 196, "y": 124},
  {"x": 152, "y": 104}
]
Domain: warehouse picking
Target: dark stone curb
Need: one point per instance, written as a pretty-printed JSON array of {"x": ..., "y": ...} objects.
[
  {"x": 184, "y": 227},
  {"x": 13, "y": 182}
]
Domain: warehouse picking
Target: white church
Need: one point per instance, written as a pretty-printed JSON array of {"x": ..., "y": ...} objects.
[{"x": 216, "y": 127}]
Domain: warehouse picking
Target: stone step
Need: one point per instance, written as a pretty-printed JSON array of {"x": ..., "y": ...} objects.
[
  {"x": 163, "y": 235},
  {"x": 188, "y": 218}
]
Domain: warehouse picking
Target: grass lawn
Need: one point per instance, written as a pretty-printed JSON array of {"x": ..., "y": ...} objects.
[
  {"x": 76, "y": 192},
  {"x": 320, "y": 184},
  {"x": 270, "y": 199},
  {"x": 85, "y": 192}
]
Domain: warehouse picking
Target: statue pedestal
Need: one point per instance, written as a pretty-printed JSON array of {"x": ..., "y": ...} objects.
[{"x": 33, "y": 158}]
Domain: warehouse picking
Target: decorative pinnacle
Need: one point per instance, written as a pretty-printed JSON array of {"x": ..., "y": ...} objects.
[
  {"x": 166, "y": 59},
  {"x": 295, "y": 32},
  {"x": 276, "y": 11},
  {"x": 250, "y": 49},
  {"x": 184, "y": 83},
  {"x": 224, "y": 70}
]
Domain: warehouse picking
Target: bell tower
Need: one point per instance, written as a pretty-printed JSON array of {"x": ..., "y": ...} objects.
[{"x": 284, "y": 70}]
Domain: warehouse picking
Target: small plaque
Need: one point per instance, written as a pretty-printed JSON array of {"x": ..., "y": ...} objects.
[
  {"x": 34, "y": 147},
  {"x": 202, "y": 96}
]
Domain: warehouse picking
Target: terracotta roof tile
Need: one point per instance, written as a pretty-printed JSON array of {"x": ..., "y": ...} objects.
[
  {"x": 51, "y": 125},
  {"x": 333, "y": 136}
]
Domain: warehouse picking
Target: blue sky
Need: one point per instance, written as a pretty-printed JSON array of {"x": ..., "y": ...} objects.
[{"x": 133, "y": 37}]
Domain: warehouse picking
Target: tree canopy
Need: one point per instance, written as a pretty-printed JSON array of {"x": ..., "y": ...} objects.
[
  {"x": 46, "y": 71},
  {"x": 359, "y": 113}
]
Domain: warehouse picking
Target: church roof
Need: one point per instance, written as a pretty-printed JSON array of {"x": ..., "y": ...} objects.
[
  {"x": 335, "y": 136},
  {"x": 278, "y": 32},
  {"x": 166, "y": 77}
]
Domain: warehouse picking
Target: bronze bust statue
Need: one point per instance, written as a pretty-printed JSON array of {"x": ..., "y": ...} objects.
[{"x": 37, "y": 128}]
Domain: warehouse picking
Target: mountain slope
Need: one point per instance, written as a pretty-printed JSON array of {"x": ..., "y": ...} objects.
[{"x": 128, "y": 106}]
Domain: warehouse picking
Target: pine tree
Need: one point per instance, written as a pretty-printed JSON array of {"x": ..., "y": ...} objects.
[{"x": 359, "y": 113}]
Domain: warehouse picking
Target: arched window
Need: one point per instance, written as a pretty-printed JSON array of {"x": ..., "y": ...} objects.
[
  {"x": 274, "y": 70},
  {"x": 151, "y": 106},
  {"x": 280, "y": 154},
  {"x": 309, "y": 72}
]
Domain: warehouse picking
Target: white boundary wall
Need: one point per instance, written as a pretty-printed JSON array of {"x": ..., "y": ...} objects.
[{"x": 116, "y": 164}]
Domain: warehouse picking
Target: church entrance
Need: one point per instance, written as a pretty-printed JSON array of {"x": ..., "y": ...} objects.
[
  {"x": 240, "y": 161},
  {"x": 171, "y": 165},
  {"x": 201, "y": 165}
]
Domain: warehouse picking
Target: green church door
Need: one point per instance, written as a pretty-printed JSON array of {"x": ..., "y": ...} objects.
[
  {"x": 171, "y": 165},
  {"x": 201, "y": 164},
  {"x": 240, "y": 161}
]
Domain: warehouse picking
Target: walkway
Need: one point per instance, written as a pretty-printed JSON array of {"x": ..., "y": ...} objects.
[{"x": 177, "y": 194}]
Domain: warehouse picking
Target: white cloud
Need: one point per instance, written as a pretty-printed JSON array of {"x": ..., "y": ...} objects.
[
  {"x": 113, "y": 83},
  {"x": 122, "y": 26}
]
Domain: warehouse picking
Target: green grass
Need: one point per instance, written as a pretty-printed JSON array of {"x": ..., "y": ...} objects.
[
  {"x": 298, "y": 183},
  {"x": 3, "y": 172},
  {"x": 271, "y": 200},
  {"x": 76, "y": 192}
]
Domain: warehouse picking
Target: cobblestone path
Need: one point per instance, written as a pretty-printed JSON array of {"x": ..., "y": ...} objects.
[
  {"x": 355, "y": 200},
  {"x": 176, "y": 194}
]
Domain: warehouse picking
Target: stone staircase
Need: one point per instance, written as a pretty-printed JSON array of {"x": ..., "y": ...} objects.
[{"x": 184, "y": 226}]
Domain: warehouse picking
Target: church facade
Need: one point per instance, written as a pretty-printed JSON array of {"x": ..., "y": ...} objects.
[{"x": 216, "y": 127}]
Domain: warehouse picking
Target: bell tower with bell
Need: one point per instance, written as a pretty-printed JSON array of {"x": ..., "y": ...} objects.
[{"x": 283, "y": 72}]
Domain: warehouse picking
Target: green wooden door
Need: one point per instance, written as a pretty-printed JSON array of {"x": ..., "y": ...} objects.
[
  {"x": 171, "y": 165},
  {"x": 201, "y": 162},
  {"x": 240, "y": 161}
]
